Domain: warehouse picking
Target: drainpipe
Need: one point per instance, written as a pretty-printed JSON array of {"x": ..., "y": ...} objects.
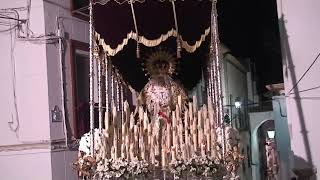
[{"x": 60, "y": 34}]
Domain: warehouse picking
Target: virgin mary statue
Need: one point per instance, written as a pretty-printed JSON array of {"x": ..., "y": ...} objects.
[{"x": 161, "y": 93}]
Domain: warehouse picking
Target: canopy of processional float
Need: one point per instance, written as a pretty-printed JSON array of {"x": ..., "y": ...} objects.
[{"x": 127, "y": 32}]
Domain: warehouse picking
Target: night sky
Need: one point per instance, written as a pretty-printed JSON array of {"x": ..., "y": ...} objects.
[{"x": 250, "y": 29}]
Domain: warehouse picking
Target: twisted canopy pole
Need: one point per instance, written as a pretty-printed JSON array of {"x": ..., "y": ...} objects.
[
  {"x": 214, "y": 73},
  {"x": 91, "y": 78},
  {"x": 215, "y": 60}
]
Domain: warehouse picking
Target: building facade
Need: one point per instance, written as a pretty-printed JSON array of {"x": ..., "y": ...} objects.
[
  {"x": 35, "y": 101},
  {"x": 299, "y": 31},
  {"x": 236, "y": 82}
]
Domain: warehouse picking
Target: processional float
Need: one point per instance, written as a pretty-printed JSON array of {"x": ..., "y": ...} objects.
[{"x": 167, "y": 134}]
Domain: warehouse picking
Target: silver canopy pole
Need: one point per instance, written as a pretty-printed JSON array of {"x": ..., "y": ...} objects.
[{"x": 91, "y": 79}]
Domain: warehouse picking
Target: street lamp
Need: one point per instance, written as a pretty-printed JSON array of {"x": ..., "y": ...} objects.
[
  {"x": 237, "y": 103},
  {"x": 271, "y": 134},
  {"x": 271, "y": 156}
]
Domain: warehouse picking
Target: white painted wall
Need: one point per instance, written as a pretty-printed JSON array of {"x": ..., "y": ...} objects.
[
  {"x": 31, "y": 164},
  {"x": 38, "y": 90},
  {"x": 234, "y": 79},
  {"x": 234, "y": 83},
  {"x": 30, "y": 79},
  {"x": 31, "y": 114},
  {"x": 300, "y": 40}
]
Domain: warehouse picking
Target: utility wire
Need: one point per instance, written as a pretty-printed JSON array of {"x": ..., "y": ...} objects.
[
  {"x": 11, "y": 28},
  {"x": 309, "y": 89},
  {"x": 296, "y": 84},
  {"x": 8, "y": 17}
]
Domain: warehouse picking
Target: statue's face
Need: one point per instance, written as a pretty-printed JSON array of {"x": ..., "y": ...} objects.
[{"x": 161, "y": 67}]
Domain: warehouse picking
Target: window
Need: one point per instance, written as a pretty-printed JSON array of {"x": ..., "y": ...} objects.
[
  {"x": 80, "y": 87},
  {"x": 80, "y": 68}
]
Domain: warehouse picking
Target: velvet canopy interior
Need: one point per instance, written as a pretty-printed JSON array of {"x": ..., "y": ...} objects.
[{"x": 155, "y": 27}]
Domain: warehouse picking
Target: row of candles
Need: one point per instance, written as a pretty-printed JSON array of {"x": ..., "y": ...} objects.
[{"x": 180, "y": 134}]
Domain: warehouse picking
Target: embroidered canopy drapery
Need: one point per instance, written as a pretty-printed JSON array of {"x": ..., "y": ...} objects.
[
  {"x": 117, "y": 35},
  {"x": 155, "y": 22}
]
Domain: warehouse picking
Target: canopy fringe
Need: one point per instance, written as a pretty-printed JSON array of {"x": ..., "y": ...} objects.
[
  {"x": 136, "y": 28},
  {"x": 151, "y": 42},
  {"x": 177, "y": 29}
]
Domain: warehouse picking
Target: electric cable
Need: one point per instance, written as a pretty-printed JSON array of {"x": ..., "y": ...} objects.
[
  {"x": 13, "y": 73},
  {"x": 296, "y": 84},
  {"x": 309, "y": 89}
]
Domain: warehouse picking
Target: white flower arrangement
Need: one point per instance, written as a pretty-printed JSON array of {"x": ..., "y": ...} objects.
[
  {"x": 197, "y": 166},
  {"x": 85, "y": 142},
  {"x": 120, "y": 168},
  {"x": 104, "y": 168},
  {"x": 233, "y": 156}
]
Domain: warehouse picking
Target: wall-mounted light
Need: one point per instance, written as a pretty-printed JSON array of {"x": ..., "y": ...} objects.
[
  {"x": 237, "y": 103},
  {"x": 56, "y": 114},
  {"x": 271, "y": 134}
]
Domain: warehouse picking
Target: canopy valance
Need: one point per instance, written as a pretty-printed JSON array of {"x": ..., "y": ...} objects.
[{"x": 151, "y": 22}]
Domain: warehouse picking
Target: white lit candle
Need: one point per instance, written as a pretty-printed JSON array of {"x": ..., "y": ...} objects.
[
  {"x": 194, "y": 134},
  {"x": 152, "y": 158},
  {"x": 200, "y": 119},
  {"x": 192, "y": 149},
  {"x": 177, "y": 112},
  {"x": 127, "y": 142},
  {"x": 145, "y": 121},
  {"x": 181, "y": 133},
  {"x": 186, "y": 125},
  {"x": 203, "y": 150},
  {"x": 180, "y": 102},
  {"x": 184, "y": 152},
  {"x": 149, "y": 133},
  {"x": 163, "y": 158},
  {"x": 174, "y": 136},
  {"x": 200, "y": 137},
  {"x": 112, "y": 153},
  {"x": 142, "y": 150},
  {"x": 173, "y": 119},
  {"x": 200, "y": 130},
  {"x": 173, "y": 153},
  {"x": 213, "y": 144},
  {"x": 123, "y": 151},
  {"x": 195, "y": 103},
  {"x": 131, "y": 122},
  {"x": 123, "y": 132},
  {"x": 168, "y": 136},
  {"x": 141, "y": 113},
  {"x": 135, "y": 132},
  {"x": 207, "y": 134},
  {"x": 106, "y": 131},
  {"x": 115, "y": 144},
  {"x": 114, "y": 116},
  {"x": 131, "y": 151},
  {"x": 106, "y": 120},
  {"x": 190, "y": 111}
]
